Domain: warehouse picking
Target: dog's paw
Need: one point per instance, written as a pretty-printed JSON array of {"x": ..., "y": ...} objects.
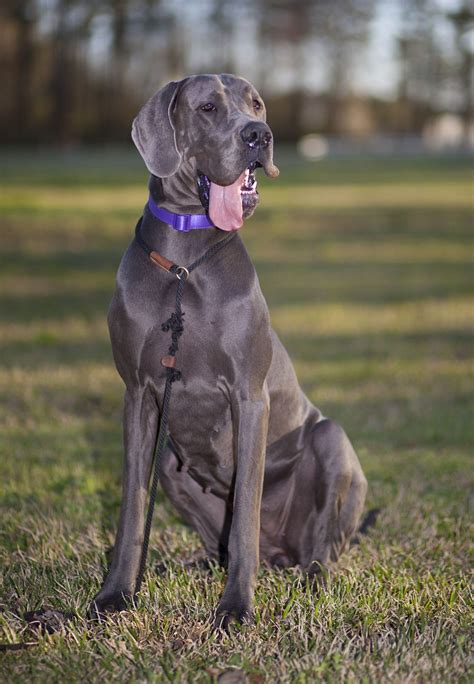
[
  {"x": 102, "y": 606},
  {"x": 318, "y": 575},
  {"x": 228, "y": 617}
]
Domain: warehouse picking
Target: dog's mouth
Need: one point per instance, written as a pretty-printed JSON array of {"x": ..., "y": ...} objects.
[{"x": 229, "y": 205}]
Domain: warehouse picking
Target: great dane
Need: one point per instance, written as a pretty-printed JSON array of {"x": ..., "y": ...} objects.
[{"x": 252, "y": 465}]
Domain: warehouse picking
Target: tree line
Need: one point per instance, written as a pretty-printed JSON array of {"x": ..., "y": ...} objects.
[{"x": 77, "y": 70}]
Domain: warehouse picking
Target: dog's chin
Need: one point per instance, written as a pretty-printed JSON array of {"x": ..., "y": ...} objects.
[{"x": 249, "y": 203}]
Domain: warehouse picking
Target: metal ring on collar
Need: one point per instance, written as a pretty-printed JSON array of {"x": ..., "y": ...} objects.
[{"x": 182, "y": 273}]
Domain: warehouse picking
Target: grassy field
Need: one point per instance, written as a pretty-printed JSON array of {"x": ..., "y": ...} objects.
[{"x": 367, "y": 268}]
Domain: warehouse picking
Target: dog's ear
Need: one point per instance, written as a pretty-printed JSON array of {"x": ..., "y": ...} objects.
[{"x": 153, "y": 132}]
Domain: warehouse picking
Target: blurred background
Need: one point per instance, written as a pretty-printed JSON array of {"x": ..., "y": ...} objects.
[
  {"x": 363, "y": 247},
  {"x": 391, "y": 74}
]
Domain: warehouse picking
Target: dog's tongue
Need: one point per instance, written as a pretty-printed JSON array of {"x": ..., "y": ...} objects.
[{"x": 225, "y": 204}]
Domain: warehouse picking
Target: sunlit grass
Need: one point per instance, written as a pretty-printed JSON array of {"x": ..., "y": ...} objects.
[{"x": 367, "y": 270}]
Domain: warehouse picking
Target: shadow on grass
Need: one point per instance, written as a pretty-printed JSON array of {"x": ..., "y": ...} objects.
[
  {"x": 371, "y": 347},
  {"x": 61, "y": 305},
  {"x": 317, "y": 283}
]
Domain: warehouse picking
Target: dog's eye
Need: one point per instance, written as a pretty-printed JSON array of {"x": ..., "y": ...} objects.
[
  {"x": 257, "y": 105},
  {"x": 209, "y": 107}
]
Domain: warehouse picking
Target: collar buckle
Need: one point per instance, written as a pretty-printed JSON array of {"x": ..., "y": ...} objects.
[{"x": 181, "y": 222}]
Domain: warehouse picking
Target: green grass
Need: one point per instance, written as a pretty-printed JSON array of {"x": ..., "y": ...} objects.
[{"x": 367, "y": 268}]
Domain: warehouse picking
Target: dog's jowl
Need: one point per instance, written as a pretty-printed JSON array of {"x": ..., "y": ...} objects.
[{"x": 251, "y": 464}]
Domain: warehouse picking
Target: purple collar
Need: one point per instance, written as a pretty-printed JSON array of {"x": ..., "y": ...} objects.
[{"x": 182, "y": 222}]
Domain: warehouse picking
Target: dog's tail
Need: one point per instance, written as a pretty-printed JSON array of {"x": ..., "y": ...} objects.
[{"x": 369, "y": 521}]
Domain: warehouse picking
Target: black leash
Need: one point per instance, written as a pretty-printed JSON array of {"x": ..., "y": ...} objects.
[{"x": 175, "y": 324}]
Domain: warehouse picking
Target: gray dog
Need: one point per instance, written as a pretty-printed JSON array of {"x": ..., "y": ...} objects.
[{"x": 251, "y": 464}]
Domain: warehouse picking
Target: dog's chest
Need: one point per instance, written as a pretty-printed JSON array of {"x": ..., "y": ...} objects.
[{"x": 200, "y": 424}]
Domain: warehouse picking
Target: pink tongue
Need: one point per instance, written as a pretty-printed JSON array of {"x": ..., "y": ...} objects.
[{"x": 225, "y": 204}]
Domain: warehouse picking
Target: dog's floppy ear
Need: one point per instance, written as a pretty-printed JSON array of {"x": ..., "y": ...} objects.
[{"x": 153, "y": 132}]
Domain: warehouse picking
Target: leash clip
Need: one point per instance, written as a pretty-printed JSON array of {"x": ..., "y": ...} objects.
[{"x": 182, "y": 273}]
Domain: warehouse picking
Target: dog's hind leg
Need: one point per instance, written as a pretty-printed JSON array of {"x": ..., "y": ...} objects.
[
  {"x": 140, "y": 428},
  {"x": 335, "y": 498}
]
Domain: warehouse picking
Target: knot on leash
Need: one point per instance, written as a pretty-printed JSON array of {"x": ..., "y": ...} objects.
[
  {"x": 172, "y": 375},
  {"x": 174, "y": 323}
]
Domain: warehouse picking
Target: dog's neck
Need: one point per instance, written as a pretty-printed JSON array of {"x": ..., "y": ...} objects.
[{"x": 177, "y": 194}]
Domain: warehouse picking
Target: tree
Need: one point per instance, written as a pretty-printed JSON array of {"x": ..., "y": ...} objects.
[{"x": 463, "y": 23}]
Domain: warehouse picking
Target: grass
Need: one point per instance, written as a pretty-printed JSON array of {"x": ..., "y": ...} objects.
[{"x": 367, "y": 268}]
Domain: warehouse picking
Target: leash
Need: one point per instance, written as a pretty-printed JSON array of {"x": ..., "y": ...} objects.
[{"x": 175, "y": 324}]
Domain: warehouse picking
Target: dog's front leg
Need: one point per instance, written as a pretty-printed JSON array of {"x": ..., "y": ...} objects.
[
  {"x": 140, "y": 427},
  {"x": 250, "y": 420}
]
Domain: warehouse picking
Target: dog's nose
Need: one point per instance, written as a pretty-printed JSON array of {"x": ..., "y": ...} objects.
[{"x": 256, "y": 135}]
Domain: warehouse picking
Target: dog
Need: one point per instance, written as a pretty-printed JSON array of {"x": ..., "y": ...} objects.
[{"x": 251, "y": 464}]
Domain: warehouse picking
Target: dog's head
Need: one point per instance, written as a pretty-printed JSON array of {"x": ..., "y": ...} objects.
[{"x": 215, "y": 126}]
